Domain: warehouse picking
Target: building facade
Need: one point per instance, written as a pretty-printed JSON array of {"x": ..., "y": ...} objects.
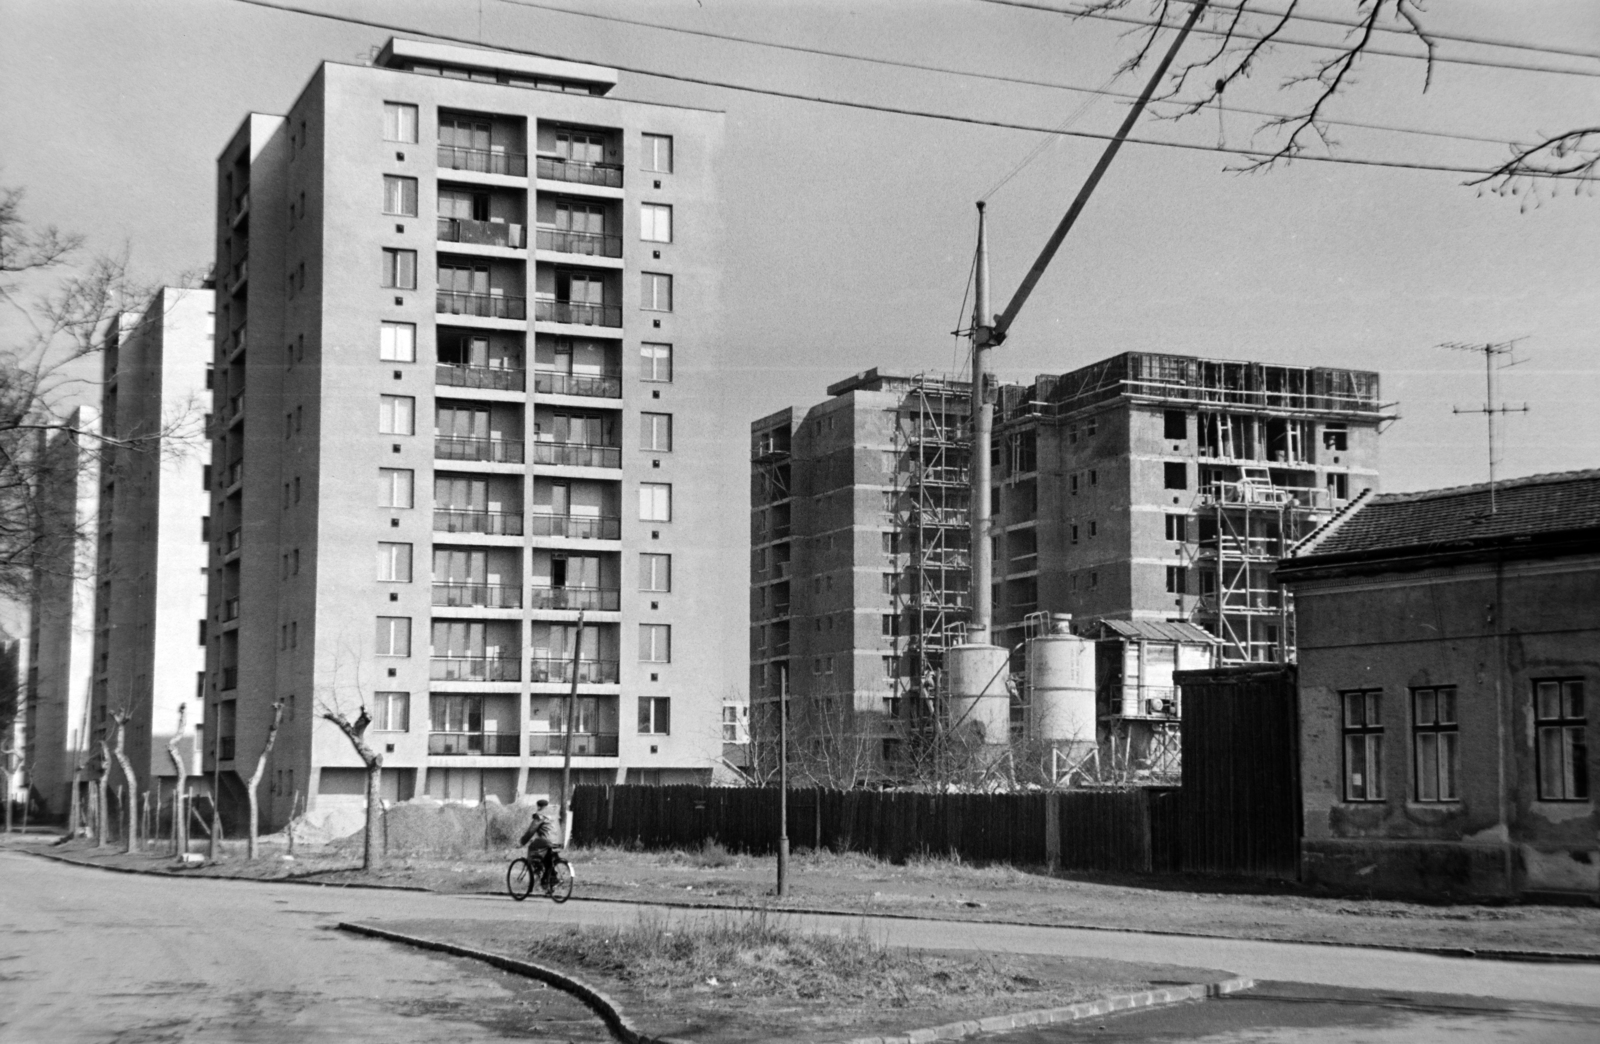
[{"x": 487, "y": 243}]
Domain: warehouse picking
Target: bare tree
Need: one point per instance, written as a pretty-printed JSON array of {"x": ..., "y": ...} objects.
[
  {"x": 356, "y": 732},
  {"x": 255, "y": 778},
  {"x": 131, "y": 806},
  {"x": 180, "y": 787},
  {"x": 102, "y": 814}
]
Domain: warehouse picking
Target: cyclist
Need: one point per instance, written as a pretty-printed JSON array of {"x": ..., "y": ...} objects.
[{"x": 540, "y": 839}]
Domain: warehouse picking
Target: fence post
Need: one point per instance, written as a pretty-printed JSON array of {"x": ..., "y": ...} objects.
[{"x": 1052, "y": 830}]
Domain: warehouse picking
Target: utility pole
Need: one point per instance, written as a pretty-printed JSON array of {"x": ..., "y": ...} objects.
[
  {"x": 982, "y": 436},
  {"x": 1489, "y": 409},
  {"x": 783, "y": 783},
  {"x": 566, "y": 745}
]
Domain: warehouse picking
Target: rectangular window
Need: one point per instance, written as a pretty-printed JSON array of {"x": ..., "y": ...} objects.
[
  {"x": 655, "y": 643},
  {"x": 1338, "y": 486},
  {"x": 655, "y": 572},
  {"x": 1177, "y": 580},
  {"x": 655, "y": 362},
  {"x": 1561, "y": 743},
  {"x": 655, "y": 223},
  {"x": 391, "y": 711},
  {"x": 400, "y": 269},
  {"x": 394, "y": 636},
  {"x": 1174, "y": 425},
  {"x": 1436, "y": 752},
  {"x": 1336, "y": 437},
  {"x": 399, "y": 196},
  {"x": 655, "y": 502},
  {"x": 1178, "y": 528},
  {"x": 399, "y": 122},
  {"x": 655, "y": 432},
  {"x": 1363, "y": 744},
  {"x": 1176, "y": 474},
  {"x": 655, "y": 292},
  {"x": 396, "y": 487},
  {"x": 655, "y": 716},
  {"x": 397, "y": 415},
  {"x": 397, "y": 342},
  {"x": 394, "y": 562},
  {"x": 657, "y": 153}
]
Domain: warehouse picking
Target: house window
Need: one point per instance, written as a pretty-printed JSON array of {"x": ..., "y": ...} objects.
[
  {"x": 397, "y": 415},
  {"x": 399, "y": 196},
  {"x": 394, "y": 636},
  {"x": 1336, "y": 437},
  {"x": 655, "y": 572},
  {"x": 655, "y": 292},
  {"x": 655, "y": 716},
  {"x": 1363, "y": 744},
  {"x": 394, "y": 562},
  {"x": 391, "y": 711},
  {"x": 655, "y": 502},
  {"x": 397, "y": 342},
  {"x": 1562, "y": 750},
  {"x": 655, "y": 223},
  {"x": 399, "y": 122},
  {"x": 655, "y": 643},
  {"x": 655, "y": 432},
  {"x": 1074, "y": 532},
  {"x": 1178, "y": 528},
  {"x": 400, "y": 269},
  {"x": 655, "y": 362},
  {"x": 1174, "y": 425},
  {"x": 396, "y": 487},
  {"x": 657, "y": 153},
  {"x": 1338, "y": 486},
  {"x": 1176, "y": 474},
  {"x": 1177, "y": 580},
  {"x": 1435, "y": 748}
]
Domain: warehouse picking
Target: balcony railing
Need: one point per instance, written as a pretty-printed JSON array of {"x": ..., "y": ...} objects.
[
  {"x": 496, "y": 451},
  {"x": 235, "y": 474},
  {"x": 462, "y": 594},
  {"x": 602, "y": 599},
  {"x": 602, "y": 386},
  {"x": 584, "y": 744},
  {"x": 495, "y": 377},
  {"x": 238, "y": 274},
  {"x": 481, "y": 233},
  {"x": 554, "y": 168},
  {"x": 230, "y": 678},
  {"x": 592, "y": 244},
  {"x": 484, "y": 306},
  {"x": 239, "y": 207},
  {"x": 235, "y": 538},
  {"x": 236, "y": 407},
  {"x": 475, "y": 668},
  {"x": 576, "y": 527},
  {"x": 237, "y": 341},
  {"x": 548, "y": 668},
  {"x": 513, "y": 164},
  {"x": 483, "y": 744},
  {"x": 579, "y": 313},
  {"x": 464, "y": 520},
  {"x": 577, "y": 454}
]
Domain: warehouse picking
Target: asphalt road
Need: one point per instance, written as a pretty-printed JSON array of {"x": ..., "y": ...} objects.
[{"x": 87, "y": 955}]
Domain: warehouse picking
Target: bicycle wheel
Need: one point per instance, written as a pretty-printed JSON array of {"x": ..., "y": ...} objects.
[
  {"x": 519, "y": 879},
  {"x": 559, "y": 887}
]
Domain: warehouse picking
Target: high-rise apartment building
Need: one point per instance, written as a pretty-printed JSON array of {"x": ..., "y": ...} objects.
[{"x": 487, "y": 245}]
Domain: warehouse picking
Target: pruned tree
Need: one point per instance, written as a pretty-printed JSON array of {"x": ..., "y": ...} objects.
[
  {"x": 356, "y": 732},
  {"x": 121, "y": 717},
  {"x": 102, "y": 814},
  {"x": 255, "y": 778},
  {"x": 180, "y": 786}
]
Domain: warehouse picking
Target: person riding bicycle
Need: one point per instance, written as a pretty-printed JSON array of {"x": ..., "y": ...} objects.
[{"x": 540, "y": 838}]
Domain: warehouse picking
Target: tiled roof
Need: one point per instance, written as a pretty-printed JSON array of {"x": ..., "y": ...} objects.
[
  {"x": 1459, "y": 518},
  {"x": 1159, "y": 630}
]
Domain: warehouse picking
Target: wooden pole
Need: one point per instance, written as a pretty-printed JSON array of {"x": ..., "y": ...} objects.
[
  {"x": 783, "y": 783},
  {"x": 566, "y": 745}
]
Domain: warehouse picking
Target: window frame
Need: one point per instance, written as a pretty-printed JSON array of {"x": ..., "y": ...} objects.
[
  {"x": 650, "y": 153},
  {"x": 388, "y": 417},
  {"x": 650, "y": 287},
  {"x": 399, "y": 195},
  {"x": 394, "y": 120},
  {"x": 659, "y": 506},
  {"x": 396, "y": 558},
  {"x": 1370, "y": 728},
  {"x": 1566, "y": 724},
  {"x": 655, "y": 716},
  {"x": 387, "y": 477},
  {"x": 650, "y": 574},
  {"x": 384, "y": 704},
  {"x": 399, "y": 264},
  {"x": 657, "y": 648},
  {"x": 651, "y": 218},
  {"x": 652, "y": 427},
  {"x": 390, "y": 342},
  {"x": 398, "y": 626},
  {"x": 650, "y": 363},
  {"x": 1435, "y": 746}
]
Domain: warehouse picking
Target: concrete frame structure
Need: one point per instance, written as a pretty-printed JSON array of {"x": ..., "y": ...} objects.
[{"x": 375, "y": 268}]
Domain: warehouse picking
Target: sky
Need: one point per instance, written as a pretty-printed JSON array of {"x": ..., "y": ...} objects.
[{"x": 850, "y": 233}]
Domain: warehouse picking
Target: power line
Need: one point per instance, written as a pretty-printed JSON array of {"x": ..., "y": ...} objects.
[{"x": 1254, "y": 154}]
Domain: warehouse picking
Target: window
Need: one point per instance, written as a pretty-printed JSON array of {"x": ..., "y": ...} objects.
[
  {"x": 1435, "y": 748},
  {"x": 400, "y": 269},
  {"x": 1174, "y": 425},
  {"x": 1562, "y": 749},
  {"x": 399, "y": 122},
  {"x": 657, "y": 153},
  {"x": 1335, "y": 437},
  {"x": 397, "y": 342},
  {"x": 655, "y": 223},
  {"x": 394, "y": 636},
  {"x": 1177, "y": 580},
  {"x": 1363, "y": 745},
  {"x": 655, "y": 643},
  {"x": 391, "y": 711},
  {"x": 1072, "y": 484},
  {"x": 655, "y": 502},
  {"x": 655, "y": 572},
  {"x": 397, "y": 415},
  {"x": 1338, "y": 486},
  {"x": 396, "y": 487},
  {"x": 734, "y": 728},
  {"x": 655, "y": 292},
  {"x": 394, "y": 562},
  {"x": 399, "y": 196},
  {"x": 655, "y": 362},
  {"x": 1094, "y": 579},
  {"x": 1094, "y": 528},
  {"x": 655, "y": 716},
  {"x": 1176, "y": 474},
  {"x": 1074, "y": 528},
  {"x": 1178, "y": 528},
  {"x": 655, "y": 432},
  {"x": 890, "y": 625},
  {"x": 888, "y": 583}
]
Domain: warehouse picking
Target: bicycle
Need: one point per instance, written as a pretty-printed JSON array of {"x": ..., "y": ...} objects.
[{"x": 555, "y": 882}]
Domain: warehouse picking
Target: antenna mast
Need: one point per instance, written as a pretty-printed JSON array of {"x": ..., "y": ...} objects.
[{"x": 1488, "y": 409}]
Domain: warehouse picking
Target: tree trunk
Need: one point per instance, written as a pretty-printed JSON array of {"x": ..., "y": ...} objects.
[
  {"x": 372, "y": 852},
  {"x": 74, "y": 811},
  {"x": 102, "y": 814},
  {"x": 180, "y": 786},
  {"x": 131, "y": 810},
  {"x": 255, "y": 778}
]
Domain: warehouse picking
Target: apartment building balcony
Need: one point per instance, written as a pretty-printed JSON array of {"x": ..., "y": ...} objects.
[
  {"x": 475, "y": 668},
  {"x": 236, "y": 409},
  {"x": 576, "y": 313},
  {"x": 491, "y": 378},
  {"x": 598, "y": 599},
  {"x": 230, "y": 677},
  {"x": 230, "y": 609},
  {"x": 236, "y": 344},
  {"x": 233, "y": 477},
  {"x": 239, "y": 209},
  {"x": 475, "y": 744},
  {"x": 576, "y": 527},
  {"x": 484, "y": 306},
  {"x": 588, "y": 244},
  {"x": 238, "y": 275},
  {"x": 545, "y": 667},
  {"x": 232, "y": 542},
  {"x": 493, "y": 451},
  {"x": 465, "y": 595},
  {"x": 557, "y": 168},
  {"x": 584, "y": 744},
  {"x": 469, "y": 520},
  {"x": 482, "y": 233},
  {"x": 591, "y": 385},
  {"x": 483, "y": 161},
  {"x": 225, "y": 748},
  {"x": 577, "y": 454}
]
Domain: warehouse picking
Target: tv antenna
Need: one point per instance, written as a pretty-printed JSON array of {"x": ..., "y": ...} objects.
[{"x": 1489, "y": 408}]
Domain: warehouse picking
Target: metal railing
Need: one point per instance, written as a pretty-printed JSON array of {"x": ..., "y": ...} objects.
[
  {"x": 603, "y": 386},
  {"x": 484, "y": 306},
  {"x": 598, "y": 598},
  {"x": 592, "y": 244},
  {"x": 463, "y": 594},
  {"x": 576, "y": 527},
  {"x": 482, "y": 233},
  {"x": 482, "y": 161},
  {"x": 555, "y": 168},
  {"x": 547, "y": 668},
  {"x": 494, "y": 377},
  {"x": 485, "y": 744},
  {"x": 475, "y": 668},
  {"x": 577, "y": 454},
  {"x": 584, "y": 744},
  {"x": 490, "y": 523},
  {"x": 578, "y": 313},
  {"x": 495, "y": 451}
]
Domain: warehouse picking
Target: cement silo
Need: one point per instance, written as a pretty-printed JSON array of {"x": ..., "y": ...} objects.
[
  {"x": 979, "y": 699},
  {"x": 1060, "y": 686}
]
